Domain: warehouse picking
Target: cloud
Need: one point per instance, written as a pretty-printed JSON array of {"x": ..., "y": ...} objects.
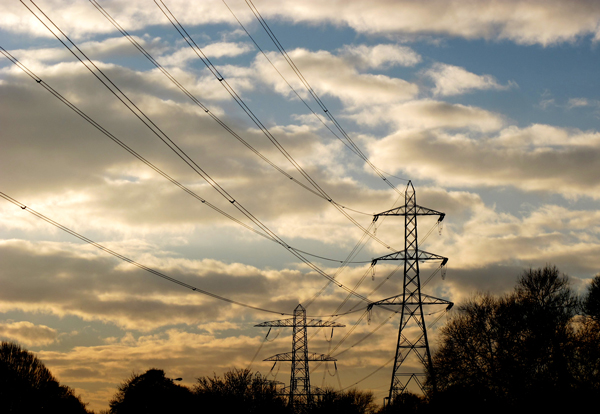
[
  {"x": 536, "y": 158},
  {"x": 382, "y": 56},
  {"x": 118, "y": 180},
  {"x": 27, "y": 333},
  {"x": 578, "y": 102},
  {"x": 490, "y": 238},
  {"x": 213, "y": 50},
  {"x": 583, "y": 103},
  {"x": 81, "y": 20},
  {"x": 546, "y": 100},
  {"x": 77, "y": 280},
  {"x": 454, "y": 80},
  {"x": 96, "y": 371},
  {"x": 428, "y": 114},
  {"x": 524, "y": 22},
  {"x": 335, "y": 76}
]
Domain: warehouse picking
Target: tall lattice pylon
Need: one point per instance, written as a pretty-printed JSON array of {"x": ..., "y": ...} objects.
[
  {"x": 300, "y": 392},
  {"x": 411, "y": 300}
]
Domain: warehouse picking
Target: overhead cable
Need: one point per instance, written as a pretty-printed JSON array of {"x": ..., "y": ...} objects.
[
  {"x": 193, "y": 98},
  {"x": 312, "y": 92},
  {"x": 133, "y": 262},
  {"x": 119, "y": 142},
  {"x": 217, "y": 74},
  {"x": 101, "y": 76},
  {"x": 143, "y": 267},
  {"x": 125, "y": 146}
]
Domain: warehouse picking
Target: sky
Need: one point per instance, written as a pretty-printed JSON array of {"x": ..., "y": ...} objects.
[{"x": 490, "y": 108}]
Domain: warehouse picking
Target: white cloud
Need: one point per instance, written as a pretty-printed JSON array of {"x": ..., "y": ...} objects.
[
  {"x": 430, "y": 114},
  {"x": 583, "y": 103},
  {"x": 27, "y": 333},
  {"x": 382, "y": 56},
  {"x": 454, "y": 80},
  {"x": 336, "y": 76},
  {"x": 212, "y": 50},
  {"x": 537, "y": 158},
  {"x": 525, "y": 22},
  {"x": 578, "y": 102}
]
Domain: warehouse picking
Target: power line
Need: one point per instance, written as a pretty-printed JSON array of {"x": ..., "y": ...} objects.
[
  {"x": 129, "y": 149},
  {"x": 370, "y": 375},
  {"x": 193, "y": 98},
  {"x": 128, "y": 260},
  {"x": 286, "y": 81},
  {"x": 158, "y": 170},
  {"x": 143, "y": 267},
  {"x": 175, "y": 148},
  {"x": 309, "y": 88},
  {"x": 125, "y": 146},
  {"x": 196, "y": 101},
  {"x": 202, "y": 56}
]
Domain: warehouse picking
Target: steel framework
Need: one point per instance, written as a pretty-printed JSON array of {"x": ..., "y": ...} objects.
[
  {"x": 411, "y": 300},
  {"x": 300, "y": 391}
]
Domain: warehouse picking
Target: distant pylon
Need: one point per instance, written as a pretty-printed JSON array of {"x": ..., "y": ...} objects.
[
  {"x": 300, "y": 391},
  {"x": 411, "y": 299}
]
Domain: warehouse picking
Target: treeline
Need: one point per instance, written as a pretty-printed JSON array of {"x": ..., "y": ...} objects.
[
  {"x": 238, "y": 391},
  {"x": 536, "y": 348},
  {"x": 27, "y": 387}
]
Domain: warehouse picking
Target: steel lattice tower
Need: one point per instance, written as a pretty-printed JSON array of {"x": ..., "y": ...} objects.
[
  {"x": 412, "y": 299},
  {"x": 300, "y": 391}
]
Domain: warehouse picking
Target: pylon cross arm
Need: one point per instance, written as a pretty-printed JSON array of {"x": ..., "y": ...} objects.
[
  {"x": 323, "y": 324},
  {"x": 411, "y": 210},
  {"x": 289, "y": 356},
  {"x": 289, "y": 323},
  {"x": 412, "y": 300},
  {"x": 277, "y": 324},
  {"x": 412, "y": 255}
]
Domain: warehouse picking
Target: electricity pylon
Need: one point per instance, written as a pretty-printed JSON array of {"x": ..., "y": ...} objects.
[
  {"x": 300, "y": 391},
  {"x": 411, "y": 300}
]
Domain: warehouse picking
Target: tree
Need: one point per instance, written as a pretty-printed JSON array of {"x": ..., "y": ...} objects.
[
  {"x": 506, "y": 352},
  {"x": 591, "y": 302},
  {"x": 469, "y": 360},
  {"x": 149, "y": 393},
  {"x": 27, "y": 386},
  {"x": 406, "y": 403},
  {"x": 352, "y": 401},
  {"x": 586, "y": 365},
  {"x": 548, "y": 306},
  {"x": 239, "y": 391}
]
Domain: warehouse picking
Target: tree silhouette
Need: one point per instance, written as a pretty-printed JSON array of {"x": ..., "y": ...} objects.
[
  {"x": 406, "y": 403},
  {"x": 586, "y": 365},
  {"x": 27, "y": 386},
  {"x": 150, "y": 393},
  {"x": 352, "y": 401},
  {"x": 239, "y": 391},
  {"x": 591, "y": 302},
  {"x": 511, "y": 351}
]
